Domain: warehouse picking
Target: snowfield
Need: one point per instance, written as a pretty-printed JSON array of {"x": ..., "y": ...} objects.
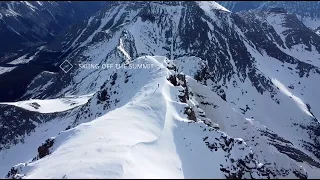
[
  {"x": 209, "y": 5},
  {"x": 6, "y": 69},
  {"x": 51, "y": 105}
]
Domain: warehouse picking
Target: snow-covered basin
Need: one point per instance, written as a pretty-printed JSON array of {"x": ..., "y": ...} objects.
[{"x": 51, "y": 105}]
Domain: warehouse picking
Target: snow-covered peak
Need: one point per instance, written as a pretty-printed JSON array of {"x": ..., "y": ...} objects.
[{"x": 209, "y": 5}]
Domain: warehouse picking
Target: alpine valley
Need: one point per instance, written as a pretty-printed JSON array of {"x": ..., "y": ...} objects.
[{"x": 202, "y": 92}]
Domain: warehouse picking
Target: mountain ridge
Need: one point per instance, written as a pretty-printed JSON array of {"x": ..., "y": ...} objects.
[{"x": 240, "y": 74}]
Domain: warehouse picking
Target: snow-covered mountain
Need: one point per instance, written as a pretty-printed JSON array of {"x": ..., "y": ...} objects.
[
  {"x": 171, "y": 90},
  {"x": 29, "y": 23},
  {"x": 307, "y": 11}
]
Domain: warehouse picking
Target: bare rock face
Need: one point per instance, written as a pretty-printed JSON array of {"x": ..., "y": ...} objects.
[{"x": 44, "y": 149}]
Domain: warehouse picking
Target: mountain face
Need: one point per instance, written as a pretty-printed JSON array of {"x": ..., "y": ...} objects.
[
  {"x": 24, "y": 24},
  {"x": 171, "y": 90},
  {"x": 307, "y": 11}
]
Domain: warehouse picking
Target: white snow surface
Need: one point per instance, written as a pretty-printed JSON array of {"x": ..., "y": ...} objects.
[
  {"x": 312, "y": 23},
  {"x": 6, "y": 69},
  {"x": 50, "y": 105},
  {"x": 209, "y": 5},
  {"x": 22, "y": 59},
  {"x": 298, "y": 51}
]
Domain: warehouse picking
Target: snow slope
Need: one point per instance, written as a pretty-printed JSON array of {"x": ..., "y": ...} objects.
[
  {"x": 209, "y": 5},
  {"x": 130, "y": 142},
  {"x": 50, "y": 105},
  {"x": 148, "y": 137},
  {"x": 5, "y": 69}
]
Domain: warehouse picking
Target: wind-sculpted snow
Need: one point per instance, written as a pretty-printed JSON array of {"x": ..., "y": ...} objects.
[
  {"x": 147, "y": 137},
  {"x": 25, "y": 124}
]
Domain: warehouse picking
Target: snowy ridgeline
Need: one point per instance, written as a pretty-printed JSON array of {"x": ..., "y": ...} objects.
[
  {"x": 160, "y": 132},
  {"x": 251, "y": 112}
]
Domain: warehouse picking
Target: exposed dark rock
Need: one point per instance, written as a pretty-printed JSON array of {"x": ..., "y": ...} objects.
[
  {"x": 44, "y": 149},
  {"x": 190, "y": 113}
]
